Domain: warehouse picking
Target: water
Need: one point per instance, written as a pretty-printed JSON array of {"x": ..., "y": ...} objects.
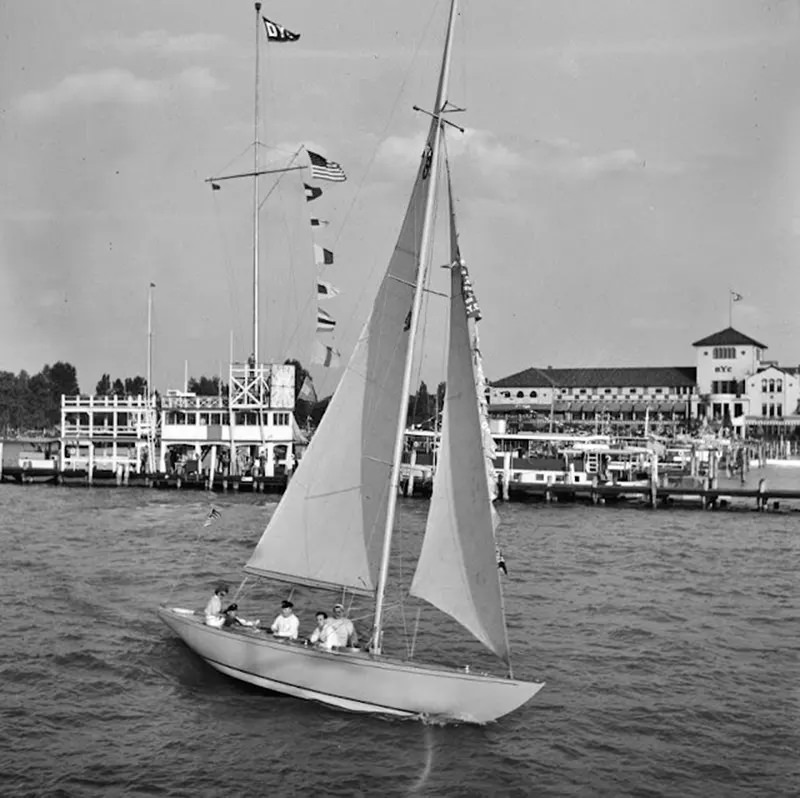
[{"x": 668, "y": 640}]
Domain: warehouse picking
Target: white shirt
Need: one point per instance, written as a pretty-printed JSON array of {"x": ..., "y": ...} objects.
[
  {"x": 324, "y": 636},
  {"x": 286, "y": 626},
  {"x": 342, "y": 630},
  {"x": 214, "y": 606}
]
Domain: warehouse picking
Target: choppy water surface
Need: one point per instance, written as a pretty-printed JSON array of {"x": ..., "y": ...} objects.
[{"x": 668, "y": 641}]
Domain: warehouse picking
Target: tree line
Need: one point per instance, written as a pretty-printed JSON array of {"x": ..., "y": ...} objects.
[{"x": 31, "y": 404}]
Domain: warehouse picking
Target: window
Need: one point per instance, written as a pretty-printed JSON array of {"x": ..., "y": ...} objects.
[
  {"x": 772, "y": 386},
  {"x": 779, "y": 409},
  {"x": 771, "y": 411},
  {"x": 764, "y": 410},
  {"x": 280, "y": 419},
  {"x": 763, "y": 386},
  {"x": 724, "y": 352},
  {"x": 533, "y": 394},
  {"x": 632, "y": 391},
  {"x": 520, "y": 394},
  {"x": 582, "y": 391},
  {"x": 779, "y": 385},
  {"x": 507, "y": 394},
  {"x": 659, "y": 390},
  {"x": 607, "y": 390}
]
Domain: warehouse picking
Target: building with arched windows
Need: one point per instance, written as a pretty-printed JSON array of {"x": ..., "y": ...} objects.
[{"x": 731, "y": 386}]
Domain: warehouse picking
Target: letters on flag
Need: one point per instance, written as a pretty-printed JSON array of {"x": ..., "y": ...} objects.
[
  {"x": 312, "y": 192},
  {"x": 325, "y": 322},
  {"x": 326, "y": 290},
  {"x": 277, "y": 33},
  {"x": 323, "y": 355},
  {"x": 467, "y": 291},
  {"x": 323, "y": 169},
  {"x": 322, "y": 256}
]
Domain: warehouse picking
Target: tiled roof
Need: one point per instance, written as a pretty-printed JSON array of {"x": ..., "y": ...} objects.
[
  {"x": 728, "y": 337},
  {"x": 622, "y": 377}
]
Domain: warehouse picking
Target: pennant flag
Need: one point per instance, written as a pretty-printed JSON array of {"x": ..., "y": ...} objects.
[
  {"x": 322, "y": 256},
  {"x": 213, "y": 514},
  {"x": 323, "y": 169},
  {"x": 277, "y": 33},
  {"x": 325, "y": 321},
  {"x": 318, "y": 222},
  {"x": 307, "y": 392},
  {"x": 327, "y": 356},
  {"x": 326, "y": 290},
  {"x": 312, "y": 192},
  {"x": 407, "y": 321},
  {"x": 215, "y": 186},
  {"x": 736, "y": 297}
]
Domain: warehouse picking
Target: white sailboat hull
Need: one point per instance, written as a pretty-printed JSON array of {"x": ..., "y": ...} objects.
[{"x": 354, "y": 681}]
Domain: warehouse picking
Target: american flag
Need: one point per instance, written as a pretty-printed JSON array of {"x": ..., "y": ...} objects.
[
  {"x": 324, "y": 321},
  {"x": 213, "y": 514},
  {"x": 323, "y": 169}
]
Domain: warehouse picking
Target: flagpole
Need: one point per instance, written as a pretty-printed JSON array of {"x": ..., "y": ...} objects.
[
  {"x": 255, "y": 192},
  {"x": 730, "y": 308}
]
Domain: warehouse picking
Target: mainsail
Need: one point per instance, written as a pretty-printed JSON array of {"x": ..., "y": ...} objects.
[
  {"x": 328, "y": 530},
  {"x": 457, "y": 570}
]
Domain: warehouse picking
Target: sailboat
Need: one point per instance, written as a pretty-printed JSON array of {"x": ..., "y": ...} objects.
[{"x": 332, "y": 529}]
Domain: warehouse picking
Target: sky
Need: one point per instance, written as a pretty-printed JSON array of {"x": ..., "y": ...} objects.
[{"x": 624, "y": 166}]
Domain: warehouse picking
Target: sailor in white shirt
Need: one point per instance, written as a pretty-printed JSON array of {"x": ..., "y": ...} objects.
[
  {"x": 322, "y": 635},
  {"x": 213, "y": 611},
  {"x": 286, "y": 624}
]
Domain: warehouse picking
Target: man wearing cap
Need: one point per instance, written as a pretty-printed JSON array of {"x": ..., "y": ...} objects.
[
  {"x": 343, "y": 633},
  {"x": 286, "y": 624},
  {"x": 213, "y": 610}
]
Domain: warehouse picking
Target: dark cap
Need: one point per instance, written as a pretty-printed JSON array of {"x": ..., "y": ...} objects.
[
  {"x": 221, "y": 588},
  {"x": 338, "y": 606},
  {"x": 285, "y": 604}
]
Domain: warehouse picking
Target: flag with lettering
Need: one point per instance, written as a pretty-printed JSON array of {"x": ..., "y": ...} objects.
[
  {"x": 323, "y": 169},
  {"x": 312, "y": 192},
  {"x": 467, "y": 291},
  {"x": 277, "y": 33}
]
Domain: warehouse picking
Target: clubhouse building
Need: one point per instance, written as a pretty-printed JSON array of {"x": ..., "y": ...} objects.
[{"x": 731, "y": 387}]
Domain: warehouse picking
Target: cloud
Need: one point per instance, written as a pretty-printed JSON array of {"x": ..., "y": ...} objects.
[
  {"x": 113, "y": 86},
  {"x": 559, "y": 157},
  {"x": 158, "y": 42},
  {"x": 481, "y": 147}
]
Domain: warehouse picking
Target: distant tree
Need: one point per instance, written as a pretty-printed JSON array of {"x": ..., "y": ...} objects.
[
  {"x": 64, "y": 380},
  {"x": 118, "y": 388},
  {"x": 135, "y": 386},
  {"x": 207, "y": 386},
  {"x": 103, "y": 388}
]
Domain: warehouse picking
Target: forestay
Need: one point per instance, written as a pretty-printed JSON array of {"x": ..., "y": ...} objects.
[
  {"x": 457, "y": 570},
  {"x": 328, "y": 529}
]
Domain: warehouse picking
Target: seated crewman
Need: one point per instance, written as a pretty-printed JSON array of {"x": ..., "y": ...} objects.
[{"x": 286, "y": 624}]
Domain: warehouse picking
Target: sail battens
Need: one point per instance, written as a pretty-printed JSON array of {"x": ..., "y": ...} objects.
[{"x": 295, "y": 579}]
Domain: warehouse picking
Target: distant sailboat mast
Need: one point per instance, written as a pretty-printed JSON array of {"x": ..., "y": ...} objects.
[
  {"x": 423, "y": 257},
  {"x": 255, "y": 189}
]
